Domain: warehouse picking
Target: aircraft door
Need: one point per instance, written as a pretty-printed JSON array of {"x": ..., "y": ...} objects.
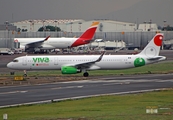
[
  {"x": 25, "y": 61},
  {"x": 55, "y": 61}
]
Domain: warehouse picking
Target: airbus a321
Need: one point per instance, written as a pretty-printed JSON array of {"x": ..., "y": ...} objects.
[
  {"x": 29, "y": 44},
  {"x": 72, "y": 64}
]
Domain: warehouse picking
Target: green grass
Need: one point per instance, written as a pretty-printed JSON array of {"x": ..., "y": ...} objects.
[
  {"x": 119, "y": 107},
  {"x": 157, "y": 68}
]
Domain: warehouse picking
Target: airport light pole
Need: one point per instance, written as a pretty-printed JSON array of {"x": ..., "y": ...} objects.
[
  {"x": 30, "y": 25},
  {"x": 150, "y": 24},
  {"x": 80, "y": 26},
  {"x": 55, "y": 25},
  {"x": 71, "y": 26},
  {"x": 164, "y": 26},
  {"x": 6, "y": 24},
  {"x": 145, "y": 24},
  {"x": 43, "y": 25}
]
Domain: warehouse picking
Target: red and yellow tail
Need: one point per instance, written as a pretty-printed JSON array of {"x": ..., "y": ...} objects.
[
  {"x": 87, "y": 36},
  {"x": 89, "y": 33}
]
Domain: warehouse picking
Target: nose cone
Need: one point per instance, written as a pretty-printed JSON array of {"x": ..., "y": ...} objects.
[{"x": 9, "y": 65}]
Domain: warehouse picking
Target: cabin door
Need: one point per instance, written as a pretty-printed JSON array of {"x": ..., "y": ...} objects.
[
  {"x": 55, "y": 61},
  {"x": 25, "y": 61}
]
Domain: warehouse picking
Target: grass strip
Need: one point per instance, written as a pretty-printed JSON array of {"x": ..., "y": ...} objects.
[{"x": 119, "y": 107}]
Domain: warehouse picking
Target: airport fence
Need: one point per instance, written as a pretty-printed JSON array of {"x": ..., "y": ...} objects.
[
  {"x": 137, "y": 39},
  {"x": 6, "y": 39}
]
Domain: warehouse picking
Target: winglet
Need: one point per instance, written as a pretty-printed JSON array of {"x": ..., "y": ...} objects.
[
  {"x": 100, "y": 58},
  {"x": 47, "y": 38}
]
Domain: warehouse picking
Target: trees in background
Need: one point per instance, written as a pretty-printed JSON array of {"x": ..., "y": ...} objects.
[{"x": 49, "y": 28}]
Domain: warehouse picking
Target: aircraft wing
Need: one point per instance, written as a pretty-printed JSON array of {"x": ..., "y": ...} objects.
[
  {"x": 87, "y": 65},
  {"x": 36, "y": 44}
]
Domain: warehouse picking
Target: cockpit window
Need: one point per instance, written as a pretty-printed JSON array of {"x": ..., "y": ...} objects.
[{"x": 15, "y": 60}]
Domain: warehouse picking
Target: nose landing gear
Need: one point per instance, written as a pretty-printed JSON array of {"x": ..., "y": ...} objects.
[{"x": 25, "y": 73}]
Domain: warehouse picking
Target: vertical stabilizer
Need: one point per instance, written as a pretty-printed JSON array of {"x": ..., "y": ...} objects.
[
  {"x": 87, "y": 36},
  {"x": 153, "y": 47},
  {"x": 89, "y": 33}
]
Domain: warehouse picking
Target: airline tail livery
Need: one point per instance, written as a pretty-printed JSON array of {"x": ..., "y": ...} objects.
[
  {"x": 29, "y": 44},
  {"x": 72, "y": 64}
]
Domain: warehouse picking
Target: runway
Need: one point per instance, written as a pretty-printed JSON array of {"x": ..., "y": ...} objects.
[{"x": 19, "y": 95}]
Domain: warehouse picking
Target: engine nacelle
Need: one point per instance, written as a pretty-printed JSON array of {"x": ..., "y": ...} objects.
[
  {"x": 69, "y": 70},
  {"x": 46, "y": 47},
  {"x": 26, "y": 48}
]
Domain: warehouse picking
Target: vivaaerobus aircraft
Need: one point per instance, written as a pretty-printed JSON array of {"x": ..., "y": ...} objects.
[
  {"x": 72, "y": 64},
  {"x": 29, "y": 44}
]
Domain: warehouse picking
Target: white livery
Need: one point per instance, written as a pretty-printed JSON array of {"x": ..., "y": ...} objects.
[
  {"x": 71, "y": 64},
  {"x": 29, "y": 44}
]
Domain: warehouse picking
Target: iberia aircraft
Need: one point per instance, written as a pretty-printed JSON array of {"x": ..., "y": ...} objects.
[
  {"x": 72, "y": 64},
  {"x": 29, "y": 44}
]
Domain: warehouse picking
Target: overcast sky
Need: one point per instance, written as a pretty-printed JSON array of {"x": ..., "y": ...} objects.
[{"x": 18, "y": 10}]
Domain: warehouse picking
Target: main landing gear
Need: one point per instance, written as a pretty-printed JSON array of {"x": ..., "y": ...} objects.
[{"x": 85, "y": 74}]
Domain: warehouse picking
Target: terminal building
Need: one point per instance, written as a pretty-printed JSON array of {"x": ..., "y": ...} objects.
[
  {"x": 76, "y": 25},
  {"x": 79, "y": 25},
  {"x": 132, "y": 34}
]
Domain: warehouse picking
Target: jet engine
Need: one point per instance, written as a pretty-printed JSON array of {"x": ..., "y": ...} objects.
[{"x": 69, "y": 70}]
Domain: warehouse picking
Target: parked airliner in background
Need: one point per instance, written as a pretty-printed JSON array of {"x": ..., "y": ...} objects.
[
  {"x": 29, "y": 44},
  {"x": 72, "y": 64}
]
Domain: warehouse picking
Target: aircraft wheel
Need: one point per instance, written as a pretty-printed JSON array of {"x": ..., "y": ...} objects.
[
  {"x": 85, "y": 74},
  {"x": 25, "y": 75}
]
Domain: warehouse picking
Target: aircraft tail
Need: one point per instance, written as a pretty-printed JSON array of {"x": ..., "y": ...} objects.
[
  {"x": 89, "y": 33},
  {"x": 87, "y": 36},
  {"x": 152, "y": 50}
]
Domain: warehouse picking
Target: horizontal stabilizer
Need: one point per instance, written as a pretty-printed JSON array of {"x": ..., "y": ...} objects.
[{"x": 157, "y": 58}]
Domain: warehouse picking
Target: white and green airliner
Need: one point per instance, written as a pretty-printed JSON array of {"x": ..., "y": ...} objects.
[{"x": 72, "y": 64}]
